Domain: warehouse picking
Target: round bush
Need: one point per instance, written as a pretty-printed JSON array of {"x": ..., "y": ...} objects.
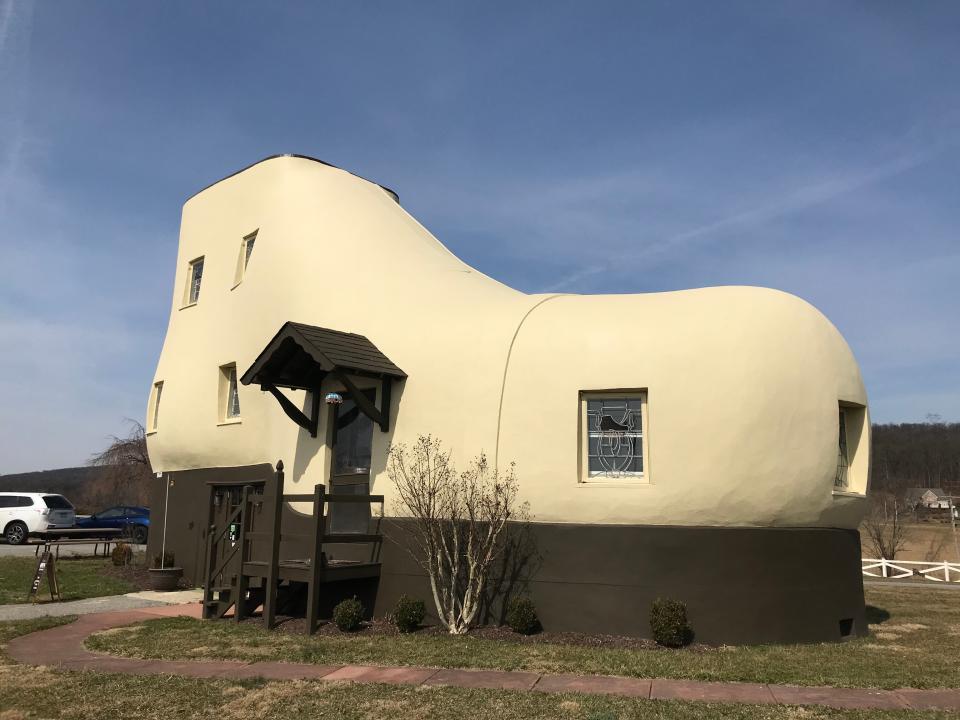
[
  {"x": 122, "y": 554},
  {"x": 348, "y": 615},
  {"x": 668, "y": 623},
  {"x": 408, "y": 614},
  {"x": 522, "y": 616}
]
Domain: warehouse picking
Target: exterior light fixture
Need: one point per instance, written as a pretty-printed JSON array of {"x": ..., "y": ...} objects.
[{"x": 334, "y": 399}]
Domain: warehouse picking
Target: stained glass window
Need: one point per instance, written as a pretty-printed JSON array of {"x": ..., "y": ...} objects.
[{"x": 615, "y": 436}]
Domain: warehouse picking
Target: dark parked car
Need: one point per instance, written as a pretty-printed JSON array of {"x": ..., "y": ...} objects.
[{"x": 133, "y": 521}]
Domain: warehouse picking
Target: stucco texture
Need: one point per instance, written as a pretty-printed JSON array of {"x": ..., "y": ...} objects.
[{"x": 742, "y": 383}]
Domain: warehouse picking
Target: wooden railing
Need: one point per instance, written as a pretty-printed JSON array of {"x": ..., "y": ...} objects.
[
  {"x": 948, "y": 572},
  {"x": 225, "y": 567}
]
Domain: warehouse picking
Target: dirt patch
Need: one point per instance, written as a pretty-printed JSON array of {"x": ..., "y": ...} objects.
[
  {"x": 12, "y": 715},
  {"x": 127, "y": 630},
  {"x": 261, "y": 701},
  {"x": 906, "y": 627},
  {"x": 136, "y": 574}
]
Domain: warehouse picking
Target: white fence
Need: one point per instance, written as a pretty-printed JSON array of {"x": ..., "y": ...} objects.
[{"x": 894, "y": 569}]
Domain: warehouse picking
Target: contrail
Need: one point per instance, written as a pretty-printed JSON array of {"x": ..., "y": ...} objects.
[{"x": 801, "y": 199}]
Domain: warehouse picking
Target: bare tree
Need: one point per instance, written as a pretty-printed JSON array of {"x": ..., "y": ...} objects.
[
  {"x": 458, "y": 522},
  {"x": 124, "y": 471},
  {"x": 886, "y": 526}
]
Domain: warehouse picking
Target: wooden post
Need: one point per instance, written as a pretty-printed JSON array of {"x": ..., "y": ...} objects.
[
  {"x": 240, "y": 603},
  {"x": 208, "y": 566},
  {"x": 316, "y": 559},
  {"x": 273, "y": 568}
]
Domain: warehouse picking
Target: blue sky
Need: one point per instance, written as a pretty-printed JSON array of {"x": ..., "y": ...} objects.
[{"x": 585, "y": 147}]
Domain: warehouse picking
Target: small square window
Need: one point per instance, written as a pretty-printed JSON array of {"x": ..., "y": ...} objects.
[
  {"x": 613, "y": 436},
  {"x": 194, "y": 279}
]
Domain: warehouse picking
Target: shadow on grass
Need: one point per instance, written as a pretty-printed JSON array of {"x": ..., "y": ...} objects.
[{"x": 876, "y": 615}]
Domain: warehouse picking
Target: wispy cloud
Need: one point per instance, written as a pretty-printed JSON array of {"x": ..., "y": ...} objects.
[
  {"x": 16, "y": 19},
  {"x": 803, "y": 198}
]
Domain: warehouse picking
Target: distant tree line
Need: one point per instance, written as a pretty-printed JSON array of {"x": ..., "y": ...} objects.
[
  {"x": 915, "y": 455},
  {"x": 118, "y": 475}
]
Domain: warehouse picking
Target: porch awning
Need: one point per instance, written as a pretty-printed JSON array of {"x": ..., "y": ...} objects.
[{"x": 301, "y": 356}]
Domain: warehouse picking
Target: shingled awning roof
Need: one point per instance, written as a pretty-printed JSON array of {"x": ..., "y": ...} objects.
[{"x": 300, "y": 357}]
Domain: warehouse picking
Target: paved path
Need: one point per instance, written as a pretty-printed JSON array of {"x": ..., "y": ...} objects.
[
  {"x": 110, "y": 603},
  {"x": 62, "y": 647}
]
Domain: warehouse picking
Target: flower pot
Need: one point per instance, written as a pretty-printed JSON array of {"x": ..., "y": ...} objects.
[{"x": 165, "y": 579}]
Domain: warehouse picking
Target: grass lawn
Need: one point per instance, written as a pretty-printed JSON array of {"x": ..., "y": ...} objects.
[
  {"x": 44, "y": 693},
  {"x": 78, "y": 578},
  {"x": 917, "y": 644}
]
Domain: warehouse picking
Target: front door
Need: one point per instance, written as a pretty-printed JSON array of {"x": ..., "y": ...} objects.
[{"x": 350, "y": 471}]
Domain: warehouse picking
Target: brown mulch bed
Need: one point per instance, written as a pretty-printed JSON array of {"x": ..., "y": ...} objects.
[{"x": 382, "y": 627}]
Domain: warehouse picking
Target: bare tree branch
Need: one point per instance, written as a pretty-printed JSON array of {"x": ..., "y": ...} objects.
[{"x": 458, "y": 524}]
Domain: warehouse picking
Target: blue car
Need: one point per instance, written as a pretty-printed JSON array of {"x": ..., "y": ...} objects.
[{"x": 133, "y": 521}]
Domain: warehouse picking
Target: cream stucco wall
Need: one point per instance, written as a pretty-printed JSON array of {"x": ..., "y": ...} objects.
[{"x": 743, "y": 383}]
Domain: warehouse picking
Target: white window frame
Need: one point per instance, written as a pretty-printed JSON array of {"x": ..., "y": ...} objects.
[
  {"x": 841, "y": 481},
  {"x": 191, "y": 292},
  {"x": 587, "y": 477},
  {"x": 229, "y": 384},
  {"x": 243, "y": 260},
  {"x": 856, "y": 426},
  {"x": 153, "y": 409}
]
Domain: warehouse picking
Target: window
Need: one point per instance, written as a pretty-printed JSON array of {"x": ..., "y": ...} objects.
[
  {"x": 248, "y": 242},
  {"x": 851, "y": 448},
  {"x": 195, "y": 278},
  {"x": 613, "y": 436},
  {"x": 154, "y": 410},
  {"x": 57, "y": 502},
  {"x": 243, "y": 260},
  {"x": 841, "y": 481},
  {"x": 229, "y": 394},
  {"x": 111, "y": 514}
]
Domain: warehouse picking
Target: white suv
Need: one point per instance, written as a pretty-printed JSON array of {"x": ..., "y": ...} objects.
[{"x": 26, "y": 514}]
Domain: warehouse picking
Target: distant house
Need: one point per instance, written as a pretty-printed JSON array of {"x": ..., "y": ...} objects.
[{"x": 934, "y": 498}]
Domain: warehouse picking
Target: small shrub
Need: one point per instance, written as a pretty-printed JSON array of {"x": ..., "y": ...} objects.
[
  {"x": 408, "y": 614},
  {"x": 348, "y": 615},
  {"x": 122, "y": 554},
  {"x": 166, "y": 560},
  {"x": 668, "y": 623},
  {"x": 522, "y": 616}
]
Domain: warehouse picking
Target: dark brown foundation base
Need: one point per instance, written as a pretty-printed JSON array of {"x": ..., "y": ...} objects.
[{"x": 741, "y": 585}]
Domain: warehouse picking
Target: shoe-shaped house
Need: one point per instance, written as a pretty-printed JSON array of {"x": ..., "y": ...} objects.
[{"x": 706, "y": 445}]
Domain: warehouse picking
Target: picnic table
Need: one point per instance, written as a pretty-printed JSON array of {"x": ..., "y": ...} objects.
[{"x": 79, "y": 536}]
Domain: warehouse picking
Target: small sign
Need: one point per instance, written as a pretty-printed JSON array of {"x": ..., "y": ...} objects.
[{"x": 46, "y": 566}]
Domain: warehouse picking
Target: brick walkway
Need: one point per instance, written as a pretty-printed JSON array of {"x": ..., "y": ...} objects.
[{"x": 62, "y": 647}]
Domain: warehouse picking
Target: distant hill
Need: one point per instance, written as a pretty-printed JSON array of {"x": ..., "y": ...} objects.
[{"x": 70, "y": 482}]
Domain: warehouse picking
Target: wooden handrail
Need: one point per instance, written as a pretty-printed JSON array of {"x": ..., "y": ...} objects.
[
  {"x": 344, "y": 498},
  {"x": 352, "y": 538},
  {"x": 335, "y": 497}
]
